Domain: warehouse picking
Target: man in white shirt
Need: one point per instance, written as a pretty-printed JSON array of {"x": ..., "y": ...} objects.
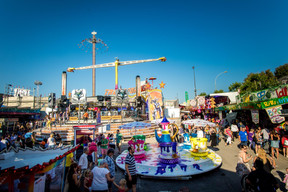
[
  {"x": 200, "y": 133},
  {"x": 83, "y": 161},
  {"x": 265, "y": 134},
  {"x": 235, "y": 130}
]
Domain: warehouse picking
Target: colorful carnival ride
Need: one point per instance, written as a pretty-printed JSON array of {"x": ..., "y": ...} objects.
[{"x": 167, "y": 159}]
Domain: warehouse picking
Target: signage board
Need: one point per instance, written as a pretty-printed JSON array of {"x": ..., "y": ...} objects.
[
  {"x": 79, "y": 96},
  {"x": 274, "y": 114}
]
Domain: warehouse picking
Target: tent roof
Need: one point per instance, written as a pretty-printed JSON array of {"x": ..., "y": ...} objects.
[{"x": 230, "y": 95}]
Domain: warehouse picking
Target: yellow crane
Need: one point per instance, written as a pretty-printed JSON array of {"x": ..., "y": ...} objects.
[{"x": 116, "y": 64}]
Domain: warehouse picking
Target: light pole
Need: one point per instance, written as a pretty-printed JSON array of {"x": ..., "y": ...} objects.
[
  {"x": 38, "y": 83},
  {"x": 218, "y": 76},
  {"x": 194, "y": 82}
]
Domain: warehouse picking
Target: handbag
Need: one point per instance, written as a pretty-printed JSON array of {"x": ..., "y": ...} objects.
[{"x": 286, "y": 142}]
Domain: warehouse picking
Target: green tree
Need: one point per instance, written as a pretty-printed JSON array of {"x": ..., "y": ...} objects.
[
  {"x": 203, "y": 94},
  {"x": 258, "y": 81},
  {"x": 219, "y": 91},
  {"x": 281, "y": 71},
  {"x": 235, "y": 86}
]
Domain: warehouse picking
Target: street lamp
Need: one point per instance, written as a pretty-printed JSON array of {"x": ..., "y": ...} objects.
[{"x": 218, "y": 76}]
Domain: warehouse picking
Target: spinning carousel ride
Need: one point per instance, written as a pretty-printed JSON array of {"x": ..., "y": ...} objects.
[{"x": 167, "y": 159}]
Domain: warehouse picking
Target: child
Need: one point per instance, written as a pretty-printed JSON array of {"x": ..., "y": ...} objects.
[
  {"x": 87, "y": 180},
  {"x": 228, "y": 132},
  {"x": 122, "y": 187},
  {"x": 285, "y": 180}
]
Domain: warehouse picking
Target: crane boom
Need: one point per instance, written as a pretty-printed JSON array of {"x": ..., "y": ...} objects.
[{"x": 116, "y": 64}]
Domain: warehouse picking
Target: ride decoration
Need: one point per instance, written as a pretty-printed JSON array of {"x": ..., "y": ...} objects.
[
  {"x": 199, "y": 147},
  {"x": 138, "y": 142}
]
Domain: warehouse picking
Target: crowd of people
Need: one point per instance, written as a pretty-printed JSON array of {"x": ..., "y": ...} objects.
[
  {"x": 262, "y": 142},
  {"x": 95, "y": 171}
]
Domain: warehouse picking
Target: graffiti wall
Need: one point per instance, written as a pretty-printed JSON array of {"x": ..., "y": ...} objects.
[{"x": 155, "y": 103}]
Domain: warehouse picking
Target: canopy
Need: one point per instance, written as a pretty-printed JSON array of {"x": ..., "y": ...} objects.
[
  {"x": 199, "y": 123},
  {"x": 136, "y": 125},
  {"x": 158, "y": 121}
]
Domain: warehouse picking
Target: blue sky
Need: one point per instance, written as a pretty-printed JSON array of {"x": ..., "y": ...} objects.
[{"x": 39, "y": 40}]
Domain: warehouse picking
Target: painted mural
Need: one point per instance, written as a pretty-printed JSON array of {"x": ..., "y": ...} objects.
[{"x": 155, "y": 103}]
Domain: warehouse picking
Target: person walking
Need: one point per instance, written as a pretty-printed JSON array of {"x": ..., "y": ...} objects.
[
  {"x": 118, "y": 140},
  {"x": 213, "y": 137},
  {"x": 228, "y": 132},
  {"x": 243, "y": 136},
  {"x": 284, "y": 142},
  {"x": 235, "y": 131},
  {"x": 104, "y": 146},
  {"x": 111, "y": 165},
  {"x": 265, "y": 136},
  {"x": 130, "y": 169},
  {"x": 274, "y": 143}
]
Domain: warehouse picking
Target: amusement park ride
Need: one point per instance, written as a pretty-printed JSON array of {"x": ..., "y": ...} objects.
[{"x": 116, "y": 64}]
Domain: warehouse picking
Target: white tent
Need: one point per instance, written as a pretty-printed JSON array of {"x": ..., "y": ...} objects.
[{"x": 199, "y": 123}]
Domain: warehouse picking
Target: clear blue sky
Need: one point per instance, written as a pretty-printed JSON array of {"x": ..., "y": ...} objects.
[{"x": 39, "y": 40}]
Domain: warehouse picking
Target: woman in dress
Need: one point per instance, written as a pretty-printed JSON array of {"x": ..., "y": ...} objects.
[{"x": 274, "y": 143}]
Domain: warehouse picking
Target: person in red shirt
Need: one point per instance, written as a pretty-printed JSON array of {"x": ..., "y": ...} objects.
[
  {"x": 284, "y": 142},
  {"x": 92, "y": 150}
]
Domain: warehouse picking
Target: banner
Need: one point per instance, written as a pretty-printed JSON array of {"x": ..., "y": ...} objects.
[
  {"x": 21, "y": 92},
  {"x": 274, "y": 102},
  {"x": 274, "y": 114},
  {"x": 265, "y": 94},
  {"x": 78, "y": 96},
  {"x": 255, "y": 116},
  {"x": 186, "y": 96}
]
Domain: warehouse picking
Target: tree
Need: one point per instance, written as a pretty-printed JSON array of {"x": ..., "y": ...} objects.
[
  {"x": 235, "y": 86},
  {"x": 219, "y": 91},
  {"x": 258, "y": 81},
  {"x": 281, "y": 71},
  {"x": 203, "y": 94}
]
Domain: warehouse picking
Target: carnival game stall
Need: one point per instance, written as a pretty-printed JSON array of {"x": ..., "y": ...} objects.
[{"x": 33, "y": 169}]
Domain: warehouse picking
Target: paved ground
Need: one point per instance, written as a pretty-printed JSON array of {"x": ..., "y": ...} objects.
[{"x": 221, "y": 179}]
